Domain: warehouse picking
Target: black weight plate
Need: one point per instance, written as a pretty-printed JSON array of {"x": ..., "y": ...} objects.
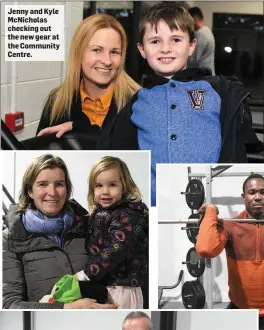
[
  {"x": 194, "y": 194},
  {"x": 195, "y": 264},
  {"x": 193, "y": 295},
  {"x": 189, "y": 297},
  {"x": 198, "y": 287},
  {"x": 193, "y": 232}
]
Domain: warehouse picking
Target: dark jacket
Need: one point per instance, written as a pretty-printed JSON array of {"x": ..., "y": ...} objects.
[
  {"x": 81, "y": 122},
  {"x": 33, "y": 263},
  {"x": 238, "y": 137},
  {"x": 118, "y": 244}
]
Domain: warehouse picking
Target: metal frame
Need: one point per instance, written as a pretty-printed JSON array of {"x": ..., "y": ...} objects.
[
  {"x": 210, "y": 264},
  {"x": 196, "y": 221},
  {"x": 27, "y": 320}
]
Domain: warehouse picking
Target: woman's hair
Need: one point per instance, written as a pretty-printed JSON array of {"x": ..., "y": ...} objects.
[
  {"x": 125, "y": 87},
  {"x": 130, "y": 189},
  {"x": 39, "y": 164}
]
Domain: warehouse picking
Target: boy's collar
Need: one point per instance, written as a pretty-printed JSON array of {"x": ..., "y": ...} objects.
[{"x": 184, "y": 75}]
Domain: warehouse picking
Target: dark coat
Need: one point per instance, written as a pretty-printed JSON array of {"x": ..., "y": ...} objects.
[
  {"x": 81, "y": 123},
  {"x": 238, "y": 136},
  {"x": 118, "y": 244},
  {"x": 33, "y": 263}
]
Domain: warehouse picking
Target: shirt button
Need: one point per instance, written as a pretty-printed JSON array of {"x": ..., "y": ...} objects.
[
  {"x": 173, "y": 85},
  {"x": 173, "y": 137},
  {"x": 173, "y": 106}
]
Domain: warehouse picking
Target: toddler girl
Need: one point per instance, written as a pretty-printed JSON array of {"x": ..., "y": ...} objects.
[{"x": 118, "y": 233}]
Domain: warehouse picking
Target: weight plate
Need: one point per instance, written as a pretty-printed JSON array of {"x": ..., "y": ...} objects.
[
  {"x": 195, "y": 264},
  {"x": 198, "y": 287},
  {"x": 193, "y": 295},
  {"x": 194, "y": 194},
  {"x": 193, "y": 230}
]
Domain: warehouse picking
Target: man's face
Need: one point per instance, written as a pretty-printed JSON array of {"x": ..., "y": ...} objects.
[
  {"x": 166, "y": 51},
  {"x": 137, "y": 324},
  {"x": 254, "y": 198}
]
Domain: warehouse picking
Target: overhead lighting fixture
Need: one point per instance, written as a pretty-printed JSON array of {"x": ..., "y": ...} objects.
[{"x": 228, "y": 49}]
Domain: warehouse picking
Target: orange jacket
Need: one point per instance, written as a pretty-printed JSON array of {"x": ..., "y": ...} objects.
[{"x": 244, "y": 245}]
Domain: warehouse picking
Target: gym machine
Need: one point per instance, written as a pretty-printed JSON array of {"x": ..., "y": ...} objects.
[
  {"x": 27, "y": 320},
  {"x": 193, "y": 293}
]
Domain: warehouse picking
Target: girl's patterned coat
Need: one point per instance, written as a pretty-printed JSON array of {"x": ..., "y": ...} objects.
[{"x": 118, "y": 244}]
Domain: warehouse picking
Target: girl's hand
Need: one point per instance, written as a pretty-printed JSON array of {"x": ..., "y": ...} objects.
[{"x": 60, "y": 129}]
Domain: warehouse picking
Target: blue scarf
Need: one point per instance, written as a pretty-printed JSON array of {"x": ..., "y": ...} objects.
[{"x": 53, "y": 228}]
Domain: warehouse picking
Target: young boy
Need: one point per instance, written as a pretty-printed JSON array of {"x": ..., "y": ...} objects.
[{"x": 183, "y": 115}]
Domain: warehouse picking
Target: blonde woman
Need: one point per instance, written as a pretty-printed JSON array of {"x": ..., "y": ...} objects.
[
  {"x": 118, "y": 228},
  {"x": 96, "y": 87}
]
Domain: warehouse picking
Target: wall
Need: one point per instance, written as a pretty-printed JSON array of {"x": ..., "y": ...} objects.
[
  {"x": 35, "y": 80},
  {"x": 9, "y": 322},
  {"x": 65, "y": 320},
  {"x": 173, "y": 242},
  {"x": 210, "y": 7},
  {"x": 79, "y": 165},
  {"x": 230, "y": 320}
]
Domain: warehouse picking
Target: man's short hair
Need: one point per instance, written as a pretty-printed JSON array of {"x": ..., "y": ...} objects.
[
  {"x": 137, "y": 315},
  {"x": 196, "y": 12},
  {"x": 175, "y": 16},
  {"x": 252, "y": 176}
]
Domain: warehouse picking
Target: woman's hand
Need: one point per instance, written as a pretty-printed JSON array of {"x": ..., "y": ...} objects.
[
  {"x": 60, "y": 129},
  {"x": 87, "y": 303}
]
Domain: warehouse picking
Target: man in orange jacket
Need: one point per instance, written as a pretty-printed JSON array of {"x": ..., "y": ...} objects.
[{"x": 244, "y": 245}]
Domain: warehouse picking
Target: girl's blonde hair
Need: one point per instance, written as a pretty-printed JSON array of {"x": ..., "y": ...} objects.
[
  {"x": 130, "y": 189},
  {"x": 60, "y": 99},
  {"x": 39, "y": 164}
]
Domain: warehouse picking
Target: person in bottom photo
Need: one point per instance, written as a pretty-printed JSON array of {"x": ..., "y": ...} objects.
[
  {"x": 58, "y": 255},
  {"x": 121, "y": 320},
  {"x": 227, "y": 212}
]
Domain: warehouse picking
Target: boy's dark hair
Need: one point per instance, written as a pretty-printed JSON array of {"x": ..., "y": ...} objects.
[
  {"x": 252, "y": 176},
  {"x": 196, "y": 12},
  {"x": 175, "y": 16}
]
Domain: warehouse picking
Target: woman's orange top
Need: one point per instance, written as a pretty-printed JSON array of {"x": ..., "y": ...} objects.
[{"x": 96, "y": 109}]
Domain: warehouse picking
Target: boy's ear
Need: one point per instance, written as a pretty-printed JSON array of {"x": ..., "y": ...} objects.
[
  {"x": 192, "y": 47},
  {"x": 30, "y": 194},
  {"x": 141, "y": 49}
]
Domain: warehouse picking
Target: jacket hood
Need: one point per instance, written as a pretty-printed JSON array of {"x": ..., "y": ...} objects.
[{"x": 184, "y": 75}]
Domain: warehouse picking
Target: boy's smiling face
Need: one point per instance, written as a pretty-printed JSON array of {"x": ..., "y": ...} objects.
[{"x": 166, "y": 51}]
